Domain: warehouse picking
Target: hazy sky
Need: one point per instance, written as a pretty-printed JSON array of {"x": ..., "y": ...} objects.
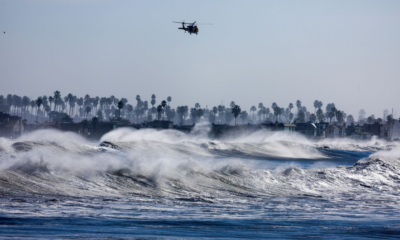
[{"x": 346, "y": 52}]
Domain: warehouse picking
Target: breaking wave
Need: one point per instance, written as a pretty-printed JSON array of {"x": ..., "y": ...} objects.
[{"x": 174, "y": 165}]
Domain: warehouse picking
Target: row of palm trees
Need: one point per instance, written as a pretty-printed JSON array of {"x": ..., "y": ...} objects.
[{"x": 46, "y": 108}]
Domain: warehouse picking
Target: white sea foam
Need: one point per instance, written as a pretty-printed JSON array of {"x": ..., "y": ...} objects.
[{"x": 170, "y": 163}]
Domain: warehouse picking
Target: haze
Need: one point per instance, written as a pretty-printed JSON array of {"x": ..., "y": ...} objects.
[{"x": 346, "y": 52}]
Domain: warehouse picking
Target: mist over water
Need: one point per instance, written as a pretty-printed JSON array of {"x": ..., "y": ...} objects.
[{"x": 149, "y": 183}]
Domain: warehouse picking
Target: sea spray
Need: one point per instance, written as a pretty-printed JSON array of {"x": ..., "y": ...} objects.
[
  {"x": 156, "y": 182},
  {"x": 163, "y": 157}
]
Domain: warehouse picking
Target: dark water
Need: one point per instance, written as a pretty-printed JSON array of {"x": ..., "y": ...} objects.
[{"x": 187, "y": 189}]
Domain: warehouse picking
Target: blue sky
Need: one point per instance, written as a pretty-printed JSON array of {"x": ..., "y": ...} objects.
[{"x": 346, "y": 52}]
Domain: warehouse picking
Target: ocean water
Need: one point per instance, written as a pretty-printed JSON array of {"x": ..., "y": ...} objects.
[{"x": 166, "y": 184}]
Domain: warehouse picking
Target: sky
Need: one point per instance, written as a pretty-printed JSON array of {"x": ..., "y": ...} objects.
[{"x": 345, "y": 52}]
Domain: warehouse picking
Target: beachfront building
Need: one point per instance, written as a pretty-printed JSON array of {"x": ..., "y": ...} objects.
[
  {"x": 282, "y": 127},
  {"x": 321, "y": 130},
  {"x": 385, "y": 131},
  {"x": 226, "y": 130},
  {"x": 307, "y": 129},
  {"x": 332, "y": 131},
  {"x": 356, "y": 132},
  {"x": 395, "y": 133},
  {"x": 10, "y": 126},
  {"x": 375, "y": 128},
  {"x": 184, "y": 128},
  {"x": 390, "y": 131},
  {"x": 160, "y": 124},
  {"x": 326, "y": 130}
]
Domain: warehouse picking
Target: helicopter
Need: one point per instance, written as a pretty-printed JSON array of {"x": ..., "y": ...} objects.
[{"x": 190, "y": 27}]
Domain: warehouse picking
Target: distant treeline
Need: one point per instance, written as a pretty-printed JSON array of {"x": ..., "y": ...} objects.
[{"x": 72, "y": 108}]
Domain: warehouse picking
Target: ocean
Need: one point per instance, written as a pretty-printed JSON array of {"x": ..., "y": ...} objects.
[{"x": 167, "y": 184}]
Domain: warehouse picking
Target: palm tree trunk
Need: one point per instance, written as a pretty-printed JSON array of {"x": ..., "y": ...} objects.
[
  {"x": 37, "y": 109},
  {"x": 31, "y": 113}
]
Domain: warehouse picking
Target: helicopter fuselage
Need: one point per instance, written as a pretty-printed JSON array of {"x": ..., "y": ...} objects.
[{"x": 190, "y": 29}]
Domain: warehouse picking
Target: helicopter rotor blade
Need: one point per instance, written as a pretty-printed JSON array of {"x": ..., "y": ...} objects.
[
  {"x": 194, "y": 23},
  {"x": 191, "y": 24},
  {"x": 181, "y": 22}
]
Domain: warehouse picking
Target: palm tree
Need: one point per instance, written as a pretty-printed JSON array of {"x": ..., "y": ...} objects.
[
  {"x": 159, "y": 110},
  {"x": 330, "y": 116},
  {"x": 280, "y": 112},
  {"x": 45, "y": 103},
  {"x": 163, "y": 105},
  {"x": 298, "y": 105},
  {"x": 361, "y": 114},
  {"x": 17, "y": 100},
  {"x": 25, "y": 102},
  {"x": 38, "y": 103},
  {"x": 313, "y": 118},
  {"x": 2, "y": 103},
  {"x": 10, "y": 101},
  {"x": 153, "y": 100},
  {"x": 95, "y": 122},
  {"x": 51, "y": 100},
  {"x": 329, "y": 107},
  {"x": 276, "y": 110},
  {"x": 169, "y": 99},
  {"x": 80, "y": 104},
  {"x": 181, "y": 113},
  {"x": 193, "y": 114},
  {"x": 339, "y": 116},
  {"x": 213, "y": 114},
  {"x": 68, "y": 99},
  {"x": 266, "y": 112},
  {"x": 320, "y": 115},
  {"x": 57, "y": 97},
  {"x": 301, "y": 116},
  {"x": 370, "y": 120},
  {"x": 316, "y": 104},
  {"x": 130, "y": 111},
  {"x": 290, "y": 107},
  {"x": 236, "y": 111},
  {"x": 332, "y": 113},
  {"x": 215, "y": 110},
  {"x": 350, "y": 119},
  {"x": 86, "y": 100},
  {"x": 291, "y": 115},
  {"x": 243, "y": 116},
  {"x": 87, "y": 110},
  {"x": 96, "y": 102},
  {"x": 32, "y": 105},
  {"x": 253, "y": 109},
  {"x": 103, "y": 102},
  {"x": 199, "y": 113},
  {"x": 47, "y": 109},
  {"x": 221, "y": 109},
  {"x": 99, "y": 115},
  {"x": 120, "y": 105}
]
